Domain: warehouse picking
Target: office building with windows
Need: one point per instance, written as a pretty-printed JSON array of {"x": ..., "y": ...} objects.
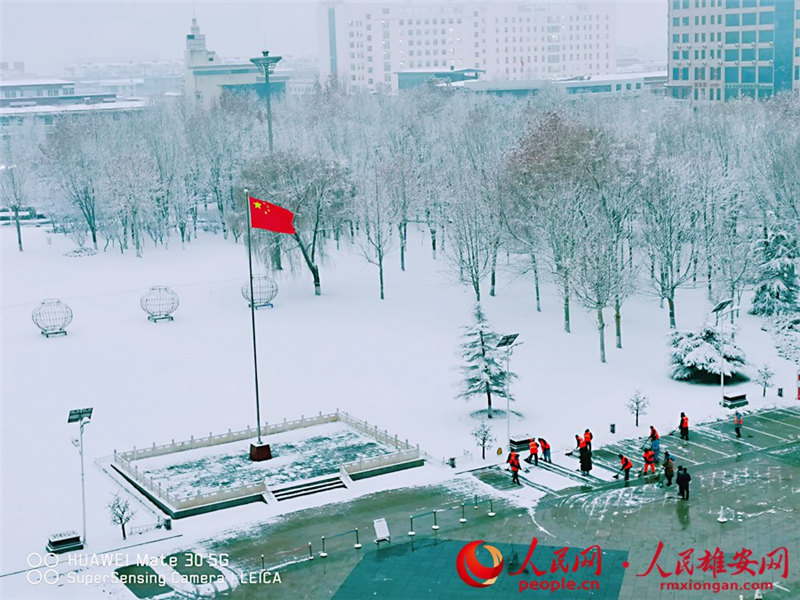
[
  {"x": 368, "y": 44},
  {"x": 725, "y": 49}
]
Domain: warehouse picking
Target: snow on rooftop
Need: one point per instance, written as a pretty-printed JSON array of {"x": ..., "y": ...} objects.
[{"x": 33, "y": 82}]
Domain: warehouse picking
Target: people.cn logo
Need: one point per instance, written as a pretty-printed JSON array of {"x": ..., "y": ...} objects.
[{"x": 472, "y": 571}]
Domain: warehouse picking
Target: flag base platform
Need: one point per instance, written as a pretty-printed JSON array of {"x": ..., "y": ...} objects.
[{"x": 260, "y": 452}]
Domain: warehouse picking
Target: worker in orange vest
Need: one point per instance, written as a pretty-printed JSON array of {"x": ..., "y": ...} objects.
[
  {"x": 684, "y": 426},
  {"x": 655, "y": 441},
  {"x": 545, "y": 450},
  {"x": 738, "y": 420},
  {"x": 579, "y": 442},
  {"x": 649, "y": 461},
  {"x": 587, "y": 437},
  {"x": 534, "y": 455},
  {"x": 513, "y": 462},
  {"x": 627, "y": 465}
]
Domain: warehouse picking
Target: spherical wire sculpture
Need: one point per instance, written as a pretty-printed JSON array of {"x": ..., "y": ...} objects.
[
  {"x": 159, "y": 302},
  {"x": 264, "y": 291},
  {"x": 52, "y": 316}
]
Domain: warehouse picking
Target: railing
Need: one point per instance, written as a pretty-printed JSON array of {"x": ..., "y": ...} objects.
[
  {"x": 384, "y": 460},
  {"x": 124, "y": 460},
  {"x": 224, "y": 438}
]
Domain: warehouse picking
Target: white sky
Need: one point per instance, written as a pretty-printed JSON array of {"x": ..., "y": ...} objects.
[{"x": 48, "y": 34}]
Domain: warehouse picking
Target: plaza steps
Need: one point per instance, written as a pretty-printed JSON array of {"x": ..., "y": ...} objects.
[{"x": 306, "y": 488}]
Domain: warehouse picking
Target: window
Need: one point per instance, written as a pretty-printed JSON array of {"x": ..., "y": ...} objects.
[
  {"x": 731, "y": 55},
  {"x": 765, "y": 75},
  {"x": 748, "y": 19},
  {"x": 731, "y": 74},
  {"x": 748, "y": 74},
  {"x": 766, "y": 53},
  {"x": 733, "y": 4},
  {"x": 731, "y": 20},
  {"x": 731, "y": 37},
  {"x": 766, "y": 18},
  {"x": 676, "y": 21},
  {"x": 748, "y": 37},
  {"x": 766, "y": 36},
  {"x": 748, "y": 54},
  {"x": 748, "y": 3}
]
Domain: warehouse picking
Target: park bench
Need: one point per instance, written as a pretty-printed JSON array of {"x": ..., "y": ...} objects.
[
  {"x": 735, "y": 401},
  {"x": 65, "y": 541}
]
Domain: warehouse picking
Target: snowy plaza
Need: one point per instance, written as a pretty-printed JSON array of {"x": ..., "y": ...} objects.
[
  {"x": 183, "y": 369},
  {"x": 444, "y": 301}
]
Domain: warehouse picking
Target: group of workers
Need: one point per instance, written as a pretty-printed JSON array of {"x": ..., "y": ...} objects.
[{"x": 650, "y": 455}]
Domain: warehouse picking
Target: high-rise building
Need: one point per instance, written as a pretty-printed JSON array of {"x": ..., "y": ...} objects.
[
  {"x": 366, "y": 44},
  {"x": 725, "y": 49}
]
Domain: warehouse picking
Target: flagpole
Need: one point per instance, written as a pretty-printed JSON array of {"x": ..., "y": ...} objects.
[{"x": 253, "y": 312}]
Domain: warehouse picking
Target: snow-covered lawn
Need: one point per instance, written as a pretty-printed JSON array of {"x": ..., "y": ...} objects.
[
  {"x": 298, "y": 454},
  {"x": 393, "y": 363}
]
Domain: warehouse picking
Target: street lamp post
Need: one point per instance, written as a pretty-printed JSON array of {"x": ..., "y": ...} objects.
[
  {"x": 507, "y": 342},
  {"x": 719, "y": 312},
  {"x": 266, "y": 64},
  {"x": 82, "y": 416}
]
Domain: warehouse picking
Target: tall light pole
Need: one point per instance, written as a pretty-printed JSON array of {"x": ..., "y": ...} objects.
[
  {"x": 720, "y": 312},
  {"x": 507, "y": 342},
  {"x": 82, "y": 416},
  {"x": 266, "y": 64}
]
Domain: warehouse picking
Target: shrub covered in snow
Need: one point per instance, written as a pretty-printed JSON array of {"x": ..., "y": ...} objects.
[
  {"x": 697, "y": 354},
  {"x": 777, "y": 281},
  {"x": 786, "y": 333}
]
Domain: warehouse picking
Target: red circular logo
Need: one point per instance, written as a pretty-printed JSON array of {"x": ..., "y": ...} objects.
[{"x": 469, "y": 567}]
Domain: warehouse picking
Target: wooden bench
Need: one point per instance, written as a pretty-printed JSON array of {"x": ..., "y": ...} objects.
[{"x": 735, "y": 401}]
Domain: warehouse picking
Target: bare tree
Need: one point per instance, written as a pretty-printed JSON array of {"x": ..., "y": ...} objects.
[
  {"x": 74, "y": 154},
  {"x": 315, "y": 189},
  {"x": 637, "y": 405},
  {"x": 483, "y": 436},
  {"x": 669, "y": 227},
  {"x": 17, "y": 176},
  {"x": 121, "y": 513},
  {"x": 376, "y": 216}
]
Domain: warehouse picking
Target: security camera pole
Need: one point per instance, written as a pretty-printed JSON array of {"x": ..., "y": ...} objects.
[{"x": 82, "y": 416}]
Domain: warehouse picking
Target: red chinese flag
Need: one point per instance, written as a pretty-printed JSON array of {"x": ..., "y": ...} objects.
[{"x": 265, "y": 215}]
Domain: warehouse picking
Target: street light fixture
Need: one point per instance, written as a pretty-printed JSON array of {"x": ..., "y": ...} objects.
[
  {"x": 720, "y": 310},
  {"x": 266, "y": 64},
  {"x": 507, "y": 342},
  {"x": 83, "y": 416}
]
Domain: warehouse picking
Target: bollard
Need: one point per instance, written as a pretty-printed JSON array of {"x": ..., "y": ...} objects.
[
  {"x": 357, "y": 545},
  {"x": 463, "y": 518},
  {"x": 310, "y": 552},
  {"x": 475, "y": 502},
  {"x": 491, "y": 512},
  {"x": 262, "y": 562},
  {"x": 435, "y": 524},
  {"x": 323, "y": 554},
  {"x": 411, "y": 529}
]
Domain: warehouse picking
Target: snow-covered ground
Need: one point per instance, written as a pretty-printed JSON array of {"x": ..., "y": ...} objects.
[{"x": 393, "y": 363}]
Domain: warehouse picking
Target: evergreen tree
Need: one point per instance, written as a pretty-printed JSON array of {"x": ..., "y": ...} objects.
[
  {"x": 777, "y": 282},
  {"x": 696, "y": 354},
  {"x": 484, "y": 371}
]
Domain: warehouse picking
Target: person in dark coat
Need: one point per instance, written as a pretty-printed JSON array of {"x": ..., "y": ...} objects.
[
  {"x": 682, "y": 479},
  {"x": 586, "y": 459},
  {"x": 669, "y": 469}
]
